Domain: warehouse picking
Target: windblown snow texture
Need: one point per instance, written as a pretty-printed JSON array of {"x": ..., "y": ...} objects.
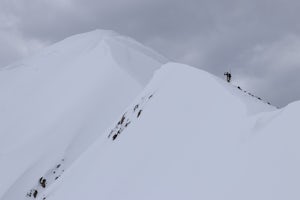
[{"x": 81, "y": 123}]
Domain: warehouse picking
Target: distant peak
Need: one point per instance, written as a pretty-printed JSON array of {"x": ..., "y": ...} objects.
[{"x": 102, "y": 33}]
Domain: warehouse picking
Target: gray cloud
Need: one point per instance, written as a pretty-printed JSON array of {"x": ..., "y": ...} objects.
[{"x": 258, "y": 40}]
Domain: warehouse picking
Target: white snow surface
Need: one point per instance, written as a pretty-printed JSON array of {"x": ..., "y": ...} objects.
[
  {"x": 58, "y": 102},
  {"x": 81, "y": 116}
]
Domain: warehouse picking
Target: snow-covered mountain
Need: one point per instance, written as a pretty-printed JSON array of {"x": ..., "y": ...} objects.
[
  {"x": 83, "y": 120},
  {"x": 61, "y": 100}
]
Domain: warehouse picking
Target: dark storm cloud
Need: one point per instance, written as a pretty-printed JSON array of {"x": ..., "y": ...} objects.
[{"x": 258, "y": 40}]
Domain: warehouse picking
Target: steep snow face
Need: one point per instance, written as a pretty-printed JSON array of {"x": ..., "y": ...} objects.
[
  {"x": 190, "y": 136},
  {"x": 67, "y": 134},
  {"x": 59, "y": 101}
]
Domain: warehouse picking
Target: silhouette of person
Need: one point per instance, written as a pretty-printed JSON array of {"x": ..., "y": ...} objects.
[{"x": 228, "y": 76}]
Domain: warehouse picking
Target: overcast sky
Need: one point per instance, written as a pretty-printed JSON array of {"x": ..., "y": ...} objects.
[{"x": 259, "y": 40}]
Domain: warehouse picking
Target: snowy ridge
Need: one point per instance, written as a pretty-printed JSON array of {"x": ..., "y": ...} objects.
[
  {"x": 162, "y": 155},
  {"x": 136, "y": 59},
  {"x": 62, "y": 99},
  {"x": 187, "y": 134}
]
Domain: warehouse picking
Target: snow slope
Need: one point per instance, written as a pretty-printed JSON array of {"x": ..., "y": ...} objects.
[
  {"x": 190, "y": 138},
  {"x": 187, "y": 135},
  {"x": 60, "y": 101}
]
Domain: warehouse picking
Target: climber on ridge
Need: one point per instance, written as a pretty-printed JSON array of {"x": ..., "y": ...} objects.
[{"x": 228, "y": 76}]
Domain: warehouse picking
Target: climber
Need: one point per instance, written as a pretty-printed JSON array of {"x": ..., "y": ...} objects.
[{"x": 228, "y": 76}]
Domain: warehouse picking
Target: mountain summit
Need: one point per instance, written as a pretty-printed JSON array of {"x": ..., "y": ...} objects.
[{"x": 85, "y": 120}]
